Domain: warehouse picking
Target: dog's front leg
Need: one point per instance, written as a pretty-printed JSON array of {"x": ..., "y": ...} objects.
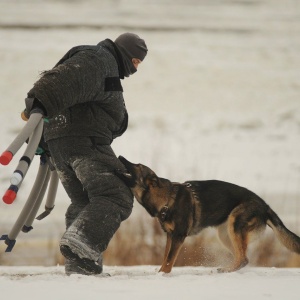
[
  {"x": 167, "y": 250},
  {"x": 175, "y": 243}
]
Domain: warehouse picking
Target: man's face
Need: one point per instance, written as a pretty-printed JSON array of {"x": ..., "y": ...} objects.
[{"x": 136, "y": 62}]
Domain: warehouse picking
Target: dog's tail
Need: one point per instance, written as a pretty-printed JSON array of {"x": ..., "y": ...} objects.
[{"x": 289, "y": 239}]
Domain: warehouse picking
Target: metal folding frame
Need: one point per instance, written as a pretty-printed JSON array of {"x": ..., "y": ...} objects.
[{"x": 31, "y": 132}]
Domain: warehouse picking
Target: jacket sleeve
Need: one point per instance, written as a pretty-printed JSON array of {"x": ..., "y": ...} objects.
[{"x": 78, "y": 77}]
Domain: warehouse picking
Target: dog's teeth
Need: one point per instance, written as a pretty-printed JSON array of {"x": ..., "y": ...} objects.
[{"x": 127, "y": 175}]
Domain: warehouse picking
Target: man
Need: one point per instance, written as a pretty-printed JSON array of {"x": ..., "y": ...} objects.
[{"x": 83, "y": 100}]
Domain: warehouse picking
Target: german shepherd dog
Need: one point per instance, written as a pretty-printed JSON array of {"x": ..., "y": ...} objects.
[{"x": 184, "y": 209}]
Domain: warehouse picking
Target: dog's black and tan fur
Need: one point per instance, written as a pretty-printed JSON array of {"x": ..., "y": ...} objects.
[{"x": 185, "y": 209}]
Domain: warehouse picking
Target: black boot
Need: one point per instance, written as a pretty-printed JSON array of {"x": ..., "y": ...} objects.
[{"x": 76, "y": 265}]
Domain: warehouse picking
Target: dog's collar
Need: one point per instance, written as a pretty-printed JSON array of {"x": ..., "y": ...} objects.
[
  {"x": 163, "y": 213},
  {"x": 190, "y": 188},
  {"x": 194, "y": 197}
]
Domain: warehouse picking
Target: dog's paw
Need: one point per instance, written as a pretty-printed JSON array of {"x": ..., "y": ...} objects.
[
  {"x": 235, "y": 267},
  {"x": 223, "y": 270}
]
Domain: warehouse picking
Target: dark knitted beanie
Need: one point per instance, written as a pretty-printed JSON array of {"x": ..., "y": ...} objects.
[{"x": 132, "y": 45}]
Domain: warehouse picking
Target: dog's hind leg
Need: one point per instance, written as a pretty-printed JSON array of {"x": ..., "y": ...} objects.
[
  {"x": 224, "y": 237},
  {"x": 238, "y": 235}
]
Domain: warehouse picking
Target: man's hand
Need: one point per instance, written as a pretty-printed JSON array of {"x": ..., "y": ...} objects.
[{"x": 33, "y": 105}]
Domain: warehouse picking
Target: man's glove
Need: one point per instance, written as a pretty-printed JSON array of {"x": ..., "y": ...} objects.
[
  {"x": 33, "y": 105},
  {"x": 42, "y": 148}
]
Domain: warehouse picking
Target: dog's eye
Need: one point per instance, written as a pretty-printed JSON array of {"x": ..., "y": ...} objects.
[{"x": 154, "y": 182}]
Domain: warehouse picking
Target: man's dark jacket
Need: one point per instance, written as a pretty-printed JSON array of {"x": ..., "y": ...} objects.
[{"x": 82, "y": 94}]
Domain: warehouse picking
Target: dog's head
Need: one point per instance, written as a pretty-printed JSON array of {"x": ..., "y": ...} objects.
[{"x": 146, "y": 186}]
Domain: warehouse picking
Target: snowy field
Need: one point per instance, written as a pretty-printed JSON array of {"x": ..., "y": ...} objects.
[
  {"x": 218, "y": 97},
  {"x": 143, "y": 282}
]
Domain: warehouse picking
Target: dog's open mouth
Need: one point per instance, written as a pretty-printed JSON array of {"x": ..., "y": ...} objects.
[
  {"x": 128, "y": 165},
  {"x": 127, "y": 175},
  {"x": 123, "y": 173}
]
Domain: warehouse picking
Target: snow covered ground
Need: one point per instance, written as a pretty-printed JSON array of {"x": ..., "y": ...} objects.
[
  {"x": 143, "y": 282},
  {"x": 218, "y": 96}
]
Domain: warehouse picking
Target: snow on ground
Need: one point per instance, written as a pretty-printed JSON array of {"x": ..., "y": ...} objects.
[
  {"x": 217, "y": 97},
  {"x": 143, "y": 282}
]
